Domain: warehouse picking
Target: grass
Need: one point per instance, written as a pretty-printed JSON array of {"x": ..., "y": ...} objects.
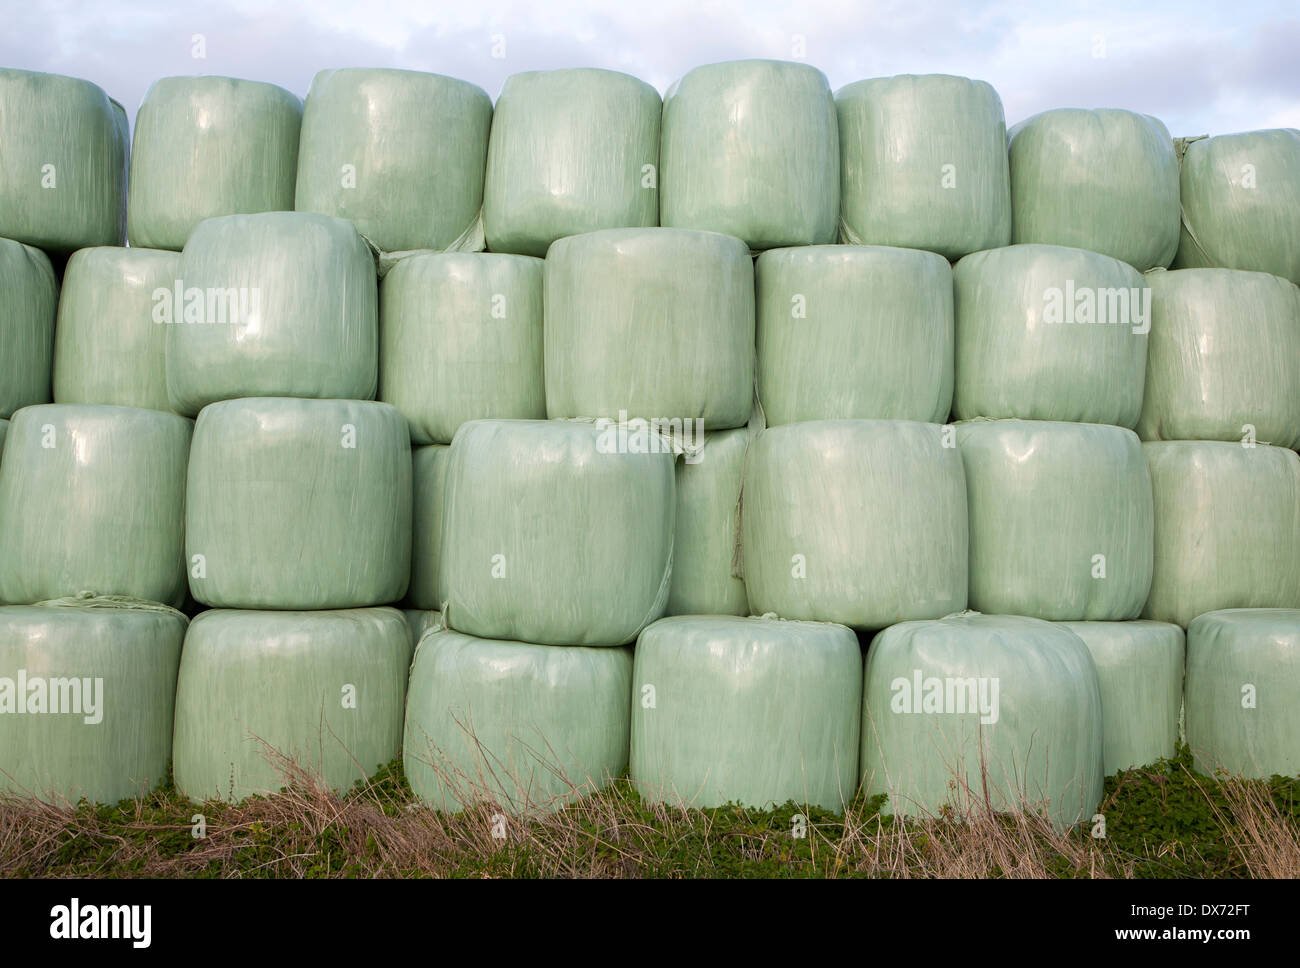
[{"x": 1161, "y": 821}]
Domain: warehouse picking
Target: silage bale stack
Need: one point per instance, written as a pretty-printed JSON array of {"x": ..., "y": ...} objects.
[
  {"x": 398, "y": 153},
  {"x": 206, "y": 147},
  {"x": 924, "y": 164},
  {"x": 572, "y": 151}
]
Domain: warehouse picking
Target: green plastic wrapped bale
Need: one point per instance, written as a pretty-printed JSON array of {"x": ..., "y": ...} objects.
[
  {"x": 1241, "y": 203},
  {"x": 461, "y": 339},
  {"x": 1223, "y": 361},
  {"x": 278, "y": 304},
  {"x": 861, "y": 522},
  {"x": 1061, "y": 519},
  {"x": 63, "y": 180},
  {"x": 398, "y": 153},
  {"x": 4, "y": 429},
  {"x": 982, "y": 706},
  {"x": 746, "y": 710},
  {"x": 419, "y": 621},
  {"x": 107, "y": 347},
  {"x": 751, "y": 148},
  {"x": 93, "y": 499},
  {"x": 572, "y": 151},
  {"x": 259, "y": 691},
  {"x": 1243, "y": 691},
  {"x": 654, "y": 322},
  {"x": 923, "y": 164},
  {"x": 552, "y": 534},
  {"x": 86, "y": 701},
  {"x": 26, "y": 325},
  {"x": 1050, "y": 333},
  {"x": 1140, "y": 671},
  {"x": 1104, "y": 180},
  {"x": 206, "y": 147},
  {"x": 708, "y": 492},
  {"x": 299, "y": 504},
  {"x": 429, "y": 479},
  {"x": 1227, "y": 517},
  {"x": 527, "y": 727},
  {"x": 854, "y": 332}
]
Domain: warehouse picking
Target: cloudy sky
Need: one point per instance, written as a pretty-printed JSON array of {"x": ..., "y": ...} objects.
[{"x": 1202, "y": 67}]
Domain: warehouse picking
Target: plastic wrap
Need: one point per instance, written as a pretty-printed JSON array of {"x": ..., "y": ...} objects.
[
  {"x": 1104, "y": 180},
  {"x": 429, "y": 479},
  {"x": 1061, "y": 519},
  {"x": 93, "y": 499},
  {"x": 1050, "y": 333},
  {"x": 751, "y": 148},
  {"x": 708, "y": 490},
  {"x": 206, "y": 147},
  {"x": 63, "y": 181},
  {"x": 553, "y": 534},
  {"x": 654, "y": 322},
  {"x": 1223, "y": 361},
  {"x": 746, "y": 710},
  {"x": 323, "y": 689},
  {"x": 572, "y": 151},
  {"x": 1241, "y": 203},
  {"x": 529, "y": 727},
  {"x": 419, "y": 621},
  {"x": 1227, "y": 519},
  {"x": 299, "y": 504},
  {"x": 1243, "y": 691},
  {"x": 107, "y": 347},
  {"x": 287, "y": 305},
  {"x": 461, "y": 339},
  {"x": 982, "y": 706},
  {"x": 923, "y": 164},
  {"x": 400, "y": 154},
  {"x": 1140, "y": 671},
  {"x": 87, "y": 696},
  {"x": 26, "y": 323},
  {"x": 854, "y": 332},
  {"x": 861, "y": 522}
]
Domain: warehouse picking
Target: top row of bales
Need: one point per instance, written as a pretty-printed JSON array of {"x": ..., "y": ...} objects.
[{"x": 760, "y": 150}]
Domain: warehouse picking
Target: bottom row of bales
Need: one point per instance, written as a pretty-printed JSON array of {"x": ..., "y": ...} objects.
[{"x": 705, "y": 710}]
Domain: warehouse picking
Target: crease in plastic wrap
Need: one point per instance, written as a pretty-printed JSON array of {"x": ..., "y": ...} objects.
[
  {"x": 280, "y": 304},
  {"x": 572, "y": 151},
  {"x": 854, "y": 332},
  {"x": 206, "y": 147},
  {"x": 460, "y": 338},
  {"x": 1243, "y": 692},
  {"x": 429, "y": 484},
  {"x": 1227, "y": 518},
  {"x": 92, "y": 498},
  {"x": 107, "y": 347},
  {"x": 923, "y": 164},
  {"x": 1140, "y": 671},
  {"x": 1045, "y": 332},
  {"x": 1061, "y": 519},
  {"x": 530, "y": 727},
  {"x": 419, "y": 622},
  {"x": 1223, "y": 360},
  {"x": 27, "y": 327},
  {"x": 746, "y": 710},
  {"x": 299, "y": 504},
  {"x": 975, "y": 705},
  {"x": 63, "y": 181},
  {"x": 654, "y": 322},
  {"x": 751, "y": 148},
  {"x": 1241, "y": 203},
  {"x": 552, "y": 533},
  {"x": 861, "y": 522},
  {"x": 708, "y": 489},
  {"x": 1103, "y": 180},
  {"x": 87, "y": 695},
  {"x": 322, "y": 689}
]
